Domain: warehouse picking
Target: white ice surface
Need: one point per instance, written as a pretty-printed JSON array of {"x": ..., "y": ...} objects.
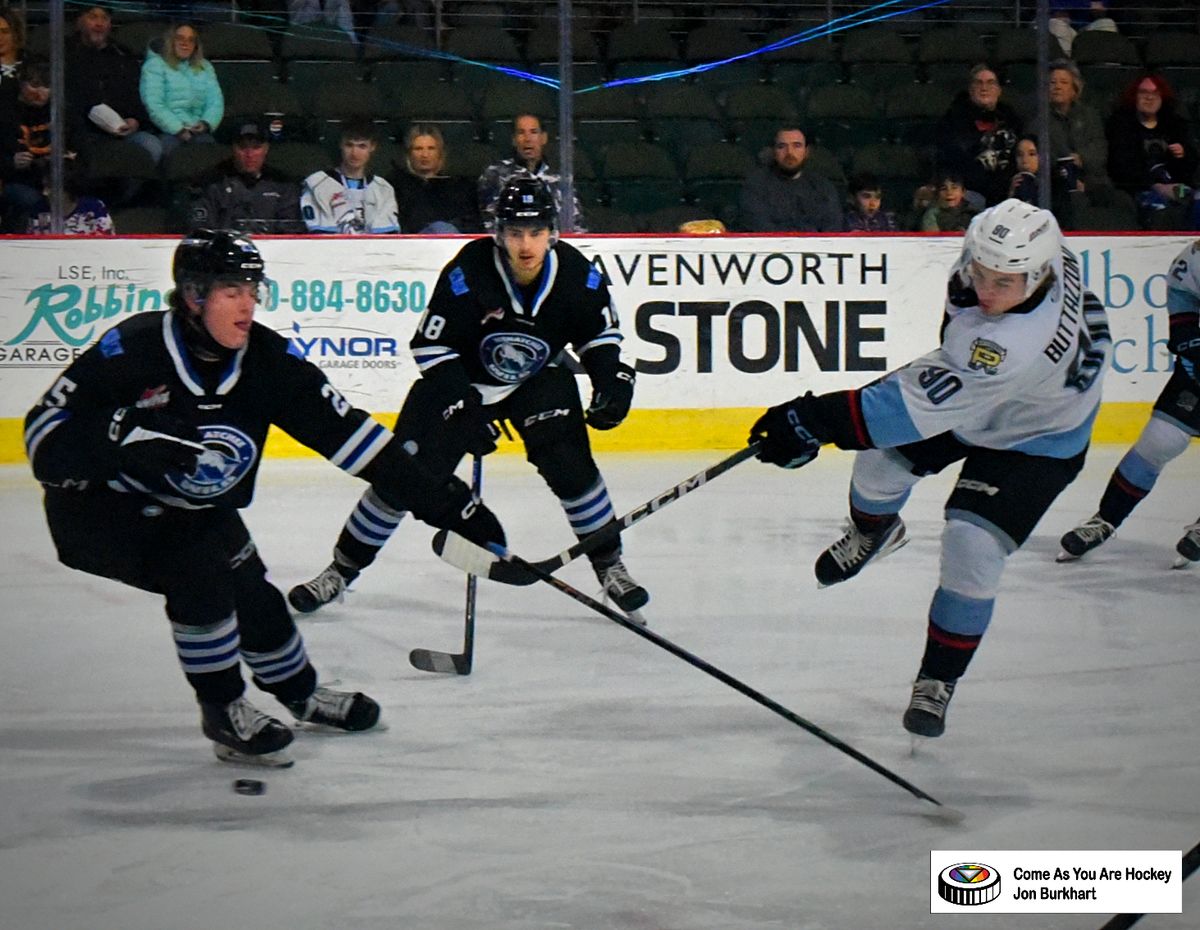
[{"x": 582, "y": 777}]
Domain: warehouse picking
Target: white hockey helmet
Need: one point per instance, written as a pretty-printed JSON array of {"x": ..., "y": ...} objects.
[{"x": 1014, "y": 237}]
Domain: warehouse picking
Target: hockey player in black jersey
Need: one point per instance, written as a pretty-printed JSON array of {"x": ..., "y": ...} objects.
[
  {"x": 149, "y": 443},
  {"x": 489, "y": 348}
]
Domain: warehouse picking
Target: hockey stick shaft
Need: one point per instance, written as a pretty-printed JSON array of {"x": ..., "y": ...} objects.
[
  {"x": 1191, "y": 859},
  {"x": 724, "y": 677},
  {"x": 472, "y": 559},
  {"x": 430, "y": 660}
]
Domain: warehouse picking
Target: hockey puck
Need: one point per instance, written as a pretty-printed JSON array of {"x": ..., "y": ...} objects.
[{"x": 249, "y": 786}]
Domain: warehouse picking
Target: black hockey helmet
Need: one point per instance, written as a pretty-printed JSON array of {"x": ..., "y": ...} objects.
[
  {"x": 527, "y": 201},
  {"x": 208, "y": 255}
]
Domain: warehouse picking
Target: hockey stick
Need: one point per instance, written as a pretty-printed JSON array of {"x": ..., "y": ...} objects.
[
  {"x": 430, "y": 660},
  {"x": 472, "y": 559},
  {"x": 946, "y": 813},
  {"x": 1191, "y": 859}
]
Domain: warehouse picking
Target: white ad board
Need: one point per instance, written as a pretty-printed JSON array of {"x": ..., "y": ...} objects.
[{"x": 709, "y": 322}]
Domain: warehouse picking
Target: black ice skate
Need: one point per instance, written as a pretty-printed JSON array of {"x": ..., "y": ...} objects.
[
  {"x": 1084, "y": 538},
  {"x": 850, "y": 554},
  {"x": 618, "y": 585},
  {"x": 243, "y": 734},
  {"x": 342, "y": 710},
  {"x": 328, "y": 586},
  {"x": 1188, "y": 546},
  {"x": 926, "y": 714}
]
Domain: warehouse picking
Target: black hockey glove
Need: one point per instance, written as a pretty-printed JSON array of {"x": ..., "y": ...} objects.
[
  {"x": 612, "y": 393},
  {"x": 468, "y": 417},
  {"x": 784, "y": 435},
  {"x": 150, "y": 443},
  {"x": 460, "y": 511}
]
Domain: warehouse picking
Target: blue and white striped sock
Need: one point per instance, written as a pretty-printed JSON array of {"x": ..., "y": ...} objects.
[
  {"x": 590, "y": 510},
  {"x": 373, "y": 522},
  {"x": 207, "y": 649},
  {"x": 279, "y": 664}
]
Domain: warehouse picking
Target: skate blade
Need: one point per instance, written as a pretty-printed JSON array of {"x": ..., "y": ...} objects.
[
  {"x": 1065, "y": 556},
  {"x": 635, "y": 616},
  {"x": 1182, "y": 561},
  {"x": 280, "y": 759}
]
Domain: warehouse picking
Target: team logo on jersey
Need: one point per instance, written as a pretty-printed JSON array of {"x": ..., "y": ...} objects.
[
  {"x": 986, "y": 355},
  {"x": 228, "y": 457},
  {"x": 512, "y": 357}
]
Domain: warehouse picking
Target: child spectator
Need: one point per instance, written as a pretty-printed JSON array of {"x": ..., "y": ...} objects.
[
  {"x": 950, "y": 212},
  {"x": 865, "y": 212},
  {"x": 180, "y": 90},
  {"x": 83, "y": 214},
  {"x": 1024, "y": 185},
  {"x": 25, "y": 148}
]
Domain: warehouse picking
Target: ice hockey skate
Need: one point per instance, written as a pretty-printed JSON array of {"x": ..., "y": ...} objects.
[
  {"x": 926, "y": 714},
  {"x": 850, "y": 554},
  {"x": 341, "y": 710},
  {"x": 327, "y": 587},
  {"x": 1188, "y": 547},
  {"x": 618, "y": 586},
  {"x": 244, "y": 735},
  {"x": 1084, "y": 538}
]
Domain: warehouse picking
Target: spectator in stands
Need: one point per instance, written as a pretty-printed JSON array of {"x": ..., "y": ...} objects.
[
  {"x": 528, "y": 159},
  {"x": 335, "y": 13},
  {"x": 12, "y": 51},
  {"x": 866, "y": 212},
  {"x": 429, "y": 201},
  {"x": 349, "y": 199},
  {"x": 950, "y": 212},
  {"x": 102, "y": 73},
  {"x": 26, "y": 146},
  {"x": 246, "y": 194},
  {"x": 1152, "y": 153},
  {"x": 1077, "y": 148},
  {"x": 1024, "y": 184},
  {"x": 83, "y": 214},
  {"x": 1070, "y": 17},
  {"x": 976, "y": 138},
  {"x": 783, "y": 197},
  {"x": 180, "y": 90}
]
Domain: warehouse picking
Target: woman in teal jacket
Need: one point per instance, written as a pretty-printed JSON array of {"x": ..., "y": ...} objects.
[{"x": 180, "y": 90}]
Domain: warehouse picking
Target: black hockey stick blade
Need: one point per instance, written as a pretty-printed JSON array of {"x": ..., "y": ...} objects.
[
  {"x": 458, "y": 663},
  {"x": 476, "y": 561},
  {"x": 448, "y": 663},
  {"x": 943, "y": 812},
  {"x": 1191, "y": 859}
]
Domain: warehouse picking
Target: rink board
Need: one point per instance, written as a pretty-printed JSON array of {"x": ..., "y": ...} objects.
[{"x": 718, "y": 327}]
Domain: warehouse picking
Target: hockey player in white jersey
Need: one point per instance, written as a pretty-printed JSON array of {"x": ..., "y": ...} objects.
[
  {"x": 1174, "y": 423},
  {"x": 1012, "y": 392}
]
